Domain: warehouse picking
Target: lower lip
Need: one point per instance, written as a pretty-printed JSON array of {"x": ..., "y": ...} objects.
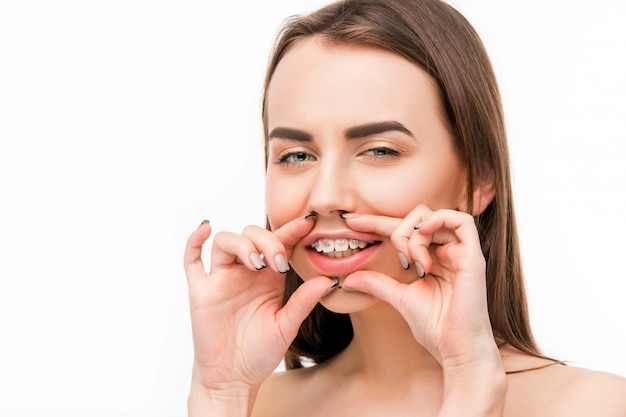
[{"x": 345, "y": 265}]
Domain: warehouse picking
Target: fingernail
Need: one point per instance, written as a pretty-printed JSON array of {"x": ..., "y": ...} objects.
[
  {"x": 420, "y": 224},
  {"x": 203, "y": 223},
  {"x": 281, "y": 263},
  {"x": 349, "y": 215},
  {"x": 256, "y": 261},
  {"x": 420, "y": 269},
  {"x": 333, "y": 286},
  {"x": 310, "y": 215},
  {"x": 347, "y": 289},
  {"x": 403, "y": 260}
]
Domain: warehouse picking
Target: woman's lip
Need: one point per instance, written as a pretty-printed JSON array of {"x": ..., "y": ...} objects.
[
  {"x": 336, "y": 266},
  {"x": 346, "y": 234}
]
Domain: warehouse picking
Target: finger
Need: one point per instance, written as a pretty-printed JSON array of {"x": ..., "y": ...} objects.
[
  {"x": 377, "y": 284},
  {"x": 419, "y": 247},
  {"x": 457, "y": 244},
  {"x": 413, "y": 246},
  {"x": 291, "y": 232},
  {"x": 382, "y": 226},
  {"x": 371, "y": 223},
  {"x": 230, "y": 248},
  {"x": 300, "y": 304},
  {"x": 450, "y": 226},
  {"x": 445, "y": 229},
  {"x": 269, "y": 246},
  {"x": 192, "y": 258}
]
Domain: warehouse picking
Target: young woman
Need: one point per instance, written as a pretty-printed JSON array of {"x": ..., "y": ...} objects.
[{"x": 390, "y": 261}]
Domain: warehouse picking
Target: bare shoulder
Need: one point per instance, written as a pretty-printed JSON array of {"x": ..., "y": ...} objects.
[
  {"x": 561, "y": 390},
  {"x": 583, "y": 392}
]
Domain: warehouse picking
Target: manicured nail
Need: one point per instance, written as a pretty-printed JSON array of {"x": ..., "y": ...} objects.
[
  {"x": 281, "y": 263},
  {"x": 333, "y": 286},
  {"x": 347, "y": 289},
  {"x": 403, "y": 260},
  {"x": 310, "y": 215},
  {"x": 420, "y": 269},
  {"x": 349, "y": 215},
  {"x": 203, "y": 223},
  {"x": 420, "y": 224},
  {"x": 256, "y": 261}
]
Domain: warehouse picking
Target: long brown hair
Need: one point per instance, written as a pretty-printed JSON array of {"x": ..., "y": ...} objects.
[{"x": 436, "y": 37}]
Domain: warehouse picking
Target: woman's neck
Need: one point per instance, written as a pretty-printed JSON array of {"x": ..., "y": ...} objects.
[{"x": 383, "y": 347}]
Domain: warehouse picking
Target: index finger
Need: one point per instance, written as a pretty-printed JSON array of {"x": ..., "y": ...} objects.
[
  {"x": 291, "y": 232},
  {"x": 372, "y": 223}
]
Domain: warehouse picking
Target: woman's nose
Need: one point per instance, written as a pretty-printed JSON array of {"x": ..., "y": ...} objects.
[{"x": 332, "y": 190}]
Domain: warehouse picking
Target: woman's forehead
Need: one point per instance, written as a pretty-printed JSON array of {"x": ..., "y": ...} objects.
[{"x": 347, "y": 80}]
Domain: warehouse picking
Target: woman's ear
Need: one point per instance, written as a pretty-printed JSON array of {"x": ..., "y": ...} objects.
[{"x": 483, "y": 195}]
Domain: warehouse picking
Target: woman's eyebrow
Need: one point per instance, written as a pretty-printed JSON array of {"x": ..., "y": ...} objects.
[
  {"x": 356, "y": 132},
  {"x": 289, "y": 133},
  {"x": 375, "y": 128}
]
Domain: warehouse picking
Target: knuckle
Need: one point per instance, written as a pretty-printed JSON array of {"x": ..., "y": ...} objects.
[
  {"x": 272, "y": 248},
  {"x": 221, "y": 236},
  {"x": 466, "y": 217},
  {"x": 398, "y": 237},
  {"x": 249, "y": 229}
]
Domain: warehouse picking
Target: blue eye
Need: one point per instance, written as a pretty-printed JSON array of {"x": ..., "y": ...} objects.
[
  {"x": 295, "y": 158},
  {"x": 382, "y": 153}
]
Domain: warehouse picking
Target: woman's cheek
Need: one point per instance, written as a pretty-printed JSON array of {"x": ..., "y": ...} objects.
[
  {"x": 284, "y": 201},
  {"x": 388, "y": 194},
  {"x": 397, "y": 193}
]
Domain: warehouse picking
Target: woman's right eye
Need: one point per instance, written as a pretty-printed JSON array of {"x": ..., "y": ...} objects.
[{"x": 295, "y": 158}]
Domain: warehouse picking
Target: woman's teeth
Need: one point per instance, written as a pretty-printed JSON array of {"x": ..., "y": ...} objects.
[{"x": 339, "y": 248}]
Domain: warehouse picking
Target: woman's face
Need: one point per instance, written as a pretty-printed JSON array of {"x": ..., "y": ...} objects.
[{"x": 360, "y": 130}]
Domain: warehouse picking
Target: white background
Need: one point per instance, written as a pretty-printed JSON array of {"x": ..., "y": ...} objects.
[{"x": 124, "y": 123}]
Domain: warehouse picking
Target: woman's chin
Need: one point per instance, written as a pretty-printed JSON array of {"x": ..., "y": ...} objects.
[{"x": 344, "y": 301}]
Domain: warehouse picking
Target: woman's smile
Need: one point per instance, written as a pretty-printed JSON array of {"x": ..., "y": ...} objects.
[
  {"x": 339, "y": 248},
  {"x": 333, "y": 264},
  {"x": 339, "y": 252}
]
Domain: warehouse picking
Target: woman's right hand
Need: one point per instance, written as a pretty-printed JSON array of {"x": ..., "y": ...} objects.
[{"x": 240, "y": 332}]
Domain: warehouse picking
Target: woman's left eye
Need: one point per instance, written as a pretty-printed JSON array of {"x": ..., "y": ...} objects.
[{"x": 384, "y": 153}]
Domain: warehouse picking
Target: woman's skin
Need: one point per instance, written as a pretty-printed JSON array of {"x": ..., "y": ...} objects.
[{"x": 357, "y": 138}]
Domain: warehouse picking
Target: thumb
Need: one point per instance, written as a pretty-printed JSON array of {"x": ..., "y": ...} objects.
[
  {"x": 377, "y": 284},
  {"x": 300, "y": 304}
]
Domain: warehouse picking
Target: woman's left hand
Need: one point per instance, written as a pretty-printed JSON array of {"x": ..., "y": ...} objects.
[{"x": 446, "y": 309}]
